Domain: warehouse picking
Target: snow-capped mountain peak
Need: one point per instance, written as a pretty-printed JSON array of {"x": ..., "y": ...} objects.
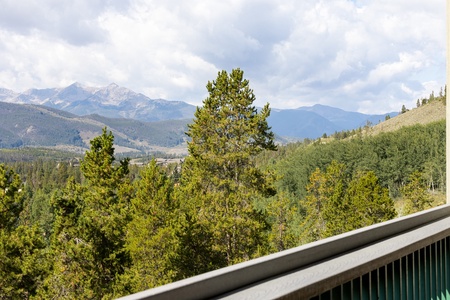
[{"x": 110, "y": 101}]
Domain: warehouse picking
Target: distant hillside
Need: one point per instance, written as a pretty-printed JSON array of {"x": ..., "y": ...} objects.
[
  {"x": 40, "y": 126},
  {"x": 428, "y": 113},
  {"x": 313, "y": 121},
  {"x": 300, "y": 124}
]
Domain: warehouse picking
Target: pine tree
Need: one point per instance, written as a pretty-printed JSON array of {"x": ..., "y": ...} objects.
[
  {"x": 416, "y": 194},
  {"x": 150, "y": 237},
  {"x": 22, "y": 257},
  {"x": 368, "y": 203},
  {"x": 403, "y": 109},
  {"x": 11, "y": 200},
  {"x": 220, "y": 179},
  {"x": 283, "y": 220},
  {"x": 431, "y": 98},
  {"x": 23, "y": 262},
  {"x": 89, "y": 230},
  {"x": 335, "y": 204},
  {"x": 325, "y": 209},
  {"x": 335, "y": 212}
]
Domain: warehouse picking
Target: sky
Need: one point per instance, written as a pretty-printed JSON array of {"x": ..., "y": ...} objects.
[{"x": 370, "y": 56}]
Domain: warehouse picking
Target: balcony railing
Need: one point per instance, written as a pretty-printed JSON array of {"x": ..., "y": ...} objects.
[{"x": 405, "y": 258}]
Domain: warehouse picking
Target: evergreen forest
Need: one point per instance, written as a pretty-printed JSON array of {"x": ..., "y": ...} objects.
[{"x": 100, "y": 227}]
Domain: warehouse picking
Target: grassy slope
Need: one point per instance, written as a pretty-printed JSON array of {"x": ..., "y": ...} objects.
[{"x": 431, "y": 112}]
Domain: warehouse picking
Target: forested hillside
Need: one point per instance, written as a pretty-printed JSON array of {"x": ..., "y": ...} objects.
[
  {"x": 102, "y": 228},
  {"x": 393, "y": 156},
  {"x": 39, "y": 126}
]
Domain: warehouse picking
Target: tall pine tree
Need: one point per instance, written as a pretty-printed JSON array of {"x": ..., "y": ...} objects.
[
  {"x": 89, "y": 229},
  {"x": 220, "y": 179}
]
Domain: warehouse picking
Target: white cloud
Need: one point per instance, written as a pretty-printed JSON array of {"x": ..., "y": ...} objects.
[{"x": 357, "y": 55}]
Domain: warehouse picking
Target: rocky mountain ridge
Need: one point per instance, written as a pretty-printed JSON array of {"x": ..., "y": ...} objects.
[
  {"x": 111, "y": 101},
  {"x": 114, "y": 101}
]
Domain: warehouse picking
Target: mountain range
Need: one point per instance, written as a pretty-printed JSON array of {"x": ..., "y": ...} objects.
[
  {"x": 313, "y": 121},
  {"x": 29, "y": 125},
  {"x": 71, "y": 116},
  {"x": 111, "y": 101}
]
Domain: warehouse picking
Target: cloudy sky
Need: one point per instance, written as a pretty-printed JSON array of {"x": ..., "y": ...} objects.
[{"x": 370, "y": 56}]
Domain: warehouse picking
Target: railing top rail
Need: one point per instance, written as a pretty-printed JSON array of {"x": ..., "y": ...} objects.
[
  {"x": 225, "y": 280},
  {"x": 323, "y": 276}
]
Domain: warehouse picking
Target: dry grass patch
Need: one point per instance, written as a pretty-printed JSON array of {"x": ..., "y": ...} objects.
[{"x": 431, "y": 112}]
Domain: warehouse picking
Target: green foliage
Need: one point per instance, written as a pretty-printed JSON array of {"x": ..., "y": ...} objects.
[
  {"x": 25, "y": 154},
  {"x": 331, "y": 191},
  {"x": 196, "y": 252},
  {"x": 89, "y": 229},
  {"x": 45, "y": 174},
  {"x": 366, "y": 202},
  {"x": 11, "y": 200},
  {"x": 40, "y": 212},
  {"x": 283, "y": 219},
  {"x": 392, "y": 156},
  {"x": 150, "y": 236},
  {"x": 23, "y": 263},
  {"x": 415, "y": 193},
  {"x": 325, "y": 209},
  {"x": 97, "y": 165},
  {"x": 220, "y": 177},
  {"x": 404, "y": 109},
  {"x": 336, "y": 204}
]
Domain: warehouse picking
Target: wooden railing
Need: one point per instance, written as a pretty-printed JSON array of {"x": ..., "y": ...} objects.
[{"x": 405, "y": 258}]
